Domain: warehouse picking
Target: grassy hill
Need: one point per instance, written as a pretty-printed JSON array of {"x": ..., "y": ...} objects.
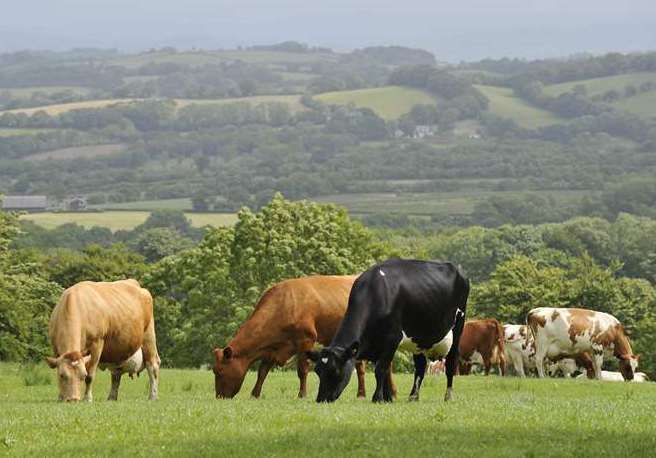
[
  {"x": 597, "y": 86},
  {"x": 64, "y": 107},
  {"x": 293, "y": 101},
  {"x": 504, "y": 103},
  {"x": 118, "y": 220},
  {"x": 78, "y": 152},
  {"x": 490, "y": 416},
  {"x": 643, "y": 105},
  {"x": 389, "y": 102}
]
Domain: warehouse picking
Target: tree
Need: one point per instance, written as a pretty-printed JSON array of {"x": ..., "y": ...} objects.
[{"x": 157, "y": 243}]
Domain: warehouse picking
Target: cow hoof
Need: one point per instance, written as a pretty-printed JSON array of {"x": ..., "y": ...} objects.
[
  {"x": 448, "y": 395},
  {"x": 362, "y": 396},
  {"x": 413, "y": 398}
]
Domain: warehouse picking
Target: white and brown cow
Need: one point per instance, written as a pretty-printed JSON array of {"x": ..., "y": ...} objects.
[
  {"x": 571, "y": 332},
  {"x": 108, "y": 324},
  {"x": 519, "y": 348}
]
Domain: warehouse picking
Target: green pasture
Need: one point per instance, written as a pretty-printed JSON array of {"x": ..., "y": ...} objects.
[
  {"x": 504, "y": 103},
  {"x": 78, "y": 152},
  {"x": 118, "y": 220},
  {"x": 150, "y": 205},
  {"x": 597, "y": 86},
  {"x": 643, "y": 105},
  {"x": 389, "y": 102},
  {"x": 8, "y": 132},
  {"x": 490, "y": 416},
  {"x": 293, "y": 101},
  {"x": 430, "y": 203},
  {"x": 27, "y": 92}
]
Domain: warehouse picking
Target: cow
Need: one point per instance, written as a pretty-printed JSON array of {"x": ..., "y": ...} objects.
[
  {"x": 569, "y": 332},
  {"x": 609, "y": 376},
  {"x": 519, "y": 348},
  {"x": 482, "y": 340},
  {"x": 104, "y": 323},
  {"x": 289, "y": 319},
  {"x": 423, "y": 301},
  {"x": 568, "y": 366},
  {"x": 436, "y": 367}
]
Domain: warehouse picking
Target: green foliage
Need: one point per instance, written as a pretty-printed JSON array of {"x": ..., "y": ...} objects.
[
  {"x": 94, "y": 263},
  {"x": 205, "y": 293},
  {"x": 157, "y": 243}
]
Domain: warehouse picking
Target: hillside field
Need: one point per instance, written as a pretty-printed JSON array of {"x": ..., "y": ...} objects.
[
  {"x": 64, "y": 107},
  {"x": 118, "y": 220},
  {"x": 597, "y": 86},
  {"x": 490, "y": 416},
  {"x": 388, "y": 102},
  {"x": 504, "y": 103}
]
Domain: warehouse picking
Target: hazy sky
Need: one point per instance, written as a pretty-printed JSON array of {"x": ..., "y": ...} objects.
[{"x": 453, "y": 30}]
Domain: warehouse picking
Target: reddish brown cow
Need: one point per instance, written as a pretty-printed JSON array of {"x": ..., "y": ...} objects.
[
  {"x": 484, "y": 337},
  {"x": 288, "y": 320}
]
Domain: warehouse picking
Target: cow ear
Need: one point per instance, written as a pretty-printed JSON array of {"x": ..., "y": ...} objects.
[
  {"x": 86, "y": 358},
  {"x": 52, "y": 362},
  {"x": 636, "y": 357},
  {"x": 217, "y": 354},
  {"x": 624, "y": 357},
  {"x": 86, "y": 353},
  {"x": 312, "y": 356},
  {"x": 227, "y": 353}
]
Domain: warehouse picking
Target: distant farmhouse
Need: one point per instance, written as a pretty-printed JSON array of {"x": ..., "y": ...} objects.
[
  {"x": 25, "y": 203},
  {"x": 77, "y": 203}
]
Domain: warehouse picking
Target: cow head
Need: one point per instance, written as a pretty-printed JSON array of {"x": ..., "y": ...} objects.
[
  {"x": 334, "y": 366},
  {"x": 628, "y": 365},
  {"x": 71, "y": 371},
  {"x": 229, "y": 372}
]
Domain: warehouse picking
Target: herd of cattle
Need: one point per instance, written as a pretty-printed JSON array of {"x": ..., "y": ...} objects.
[{"x": 416, "y": 306}]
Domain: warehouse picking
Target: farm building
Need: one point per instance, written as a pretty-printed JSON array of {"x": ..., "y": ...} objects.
[
  {"x": 25, "y": 203},
  {"x": 77, "y": 203}
]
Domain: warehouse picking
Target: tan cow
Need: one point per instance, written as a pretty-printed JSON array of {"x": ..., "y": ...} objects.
[
  {"x": 571, "y": 332},
  {"x": 482, "y": 341},
  {"x": 288, "y": 320},
  {"x": 109, "y": 324}
]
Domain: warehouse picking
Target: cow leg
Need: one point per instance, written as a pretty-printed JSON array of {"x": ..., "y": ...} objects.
[
  {"x": 390, "y": 382},
  {"x": 116, "y": 382},
  {"x": 151, "y": 360},
  {"x": 597, "y": 363},
  {"x": 302, "y": 369},
  {"x": 383, "y": 392},
  {"x": 96, "y": 350},
  {"x": 359, "y": 370},
  {"x": 539, "y": 362},
  {"x": 420, "y": 371},
  {"x": 502, "y": 364},
  {"x": 262, "y": 372},
  {"x": 452, "y": 357},
  {"x": 487, "y": 363}
]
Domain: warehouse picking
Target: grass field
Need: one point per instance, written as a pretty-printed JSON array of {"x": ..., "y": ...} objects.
[
  {"x": 429, "y": 203},
  {"x": 78, "y": 152},
  {"x": 389, "y": 102},
  {"x": 117, "y": 220},
  {"x": 64, "y": 107},
  {"x": 489, "y": 416},
  {"x": 17, "y": 132},
  {"x": 293, "y": 101},
  {"x": 504, "y": 103},
  {"x": 26, "y": 92},
  {"x": 643, "y": 105},
  {"x": 597, "y": 86},
  {"x": 150, "y": 205}
]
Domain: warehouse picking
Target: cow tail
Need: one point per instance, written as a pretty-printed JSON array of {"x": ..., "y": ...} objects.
[
  {"x": 500, "y": 339},
  {"x": 530, "y": 331}
]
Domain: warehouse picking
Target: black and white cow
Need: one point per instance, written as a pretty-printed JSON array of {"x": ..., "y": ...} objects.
[{"x": 421, "y": 301}]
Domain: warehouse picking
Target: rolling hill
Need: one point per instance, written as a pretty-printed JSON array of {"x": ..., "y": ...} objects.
[
  {"x": 388, "y": 102},
  {"x": 597, "y": 86},
  {"x": 504, "y": 103}
]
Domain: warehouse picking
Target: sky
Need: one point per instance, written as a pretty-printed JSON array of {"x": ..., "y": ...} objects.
[{"x": 454, "y": 31}]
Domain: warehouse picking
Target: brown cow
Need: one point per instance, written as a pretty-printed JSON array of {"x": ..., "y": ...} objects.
[
  {"x": 484, "y": 337},
  {"x": 288, "y": 320},
  {"x": 101, "y": 323}
]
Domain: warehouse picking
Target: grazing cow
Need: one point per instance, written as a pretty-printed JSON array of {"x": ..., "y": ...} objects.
[
  {"x": 609, "y": 376},
  {"x": 563, "y": 332},
  {"x": 288, "y": 320},
  {"x": 482, "y": 340},
  {"x": 519, "y": 348},
  {"x": 102, "y": 324},
  {"x": 423, "y": 301}
]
